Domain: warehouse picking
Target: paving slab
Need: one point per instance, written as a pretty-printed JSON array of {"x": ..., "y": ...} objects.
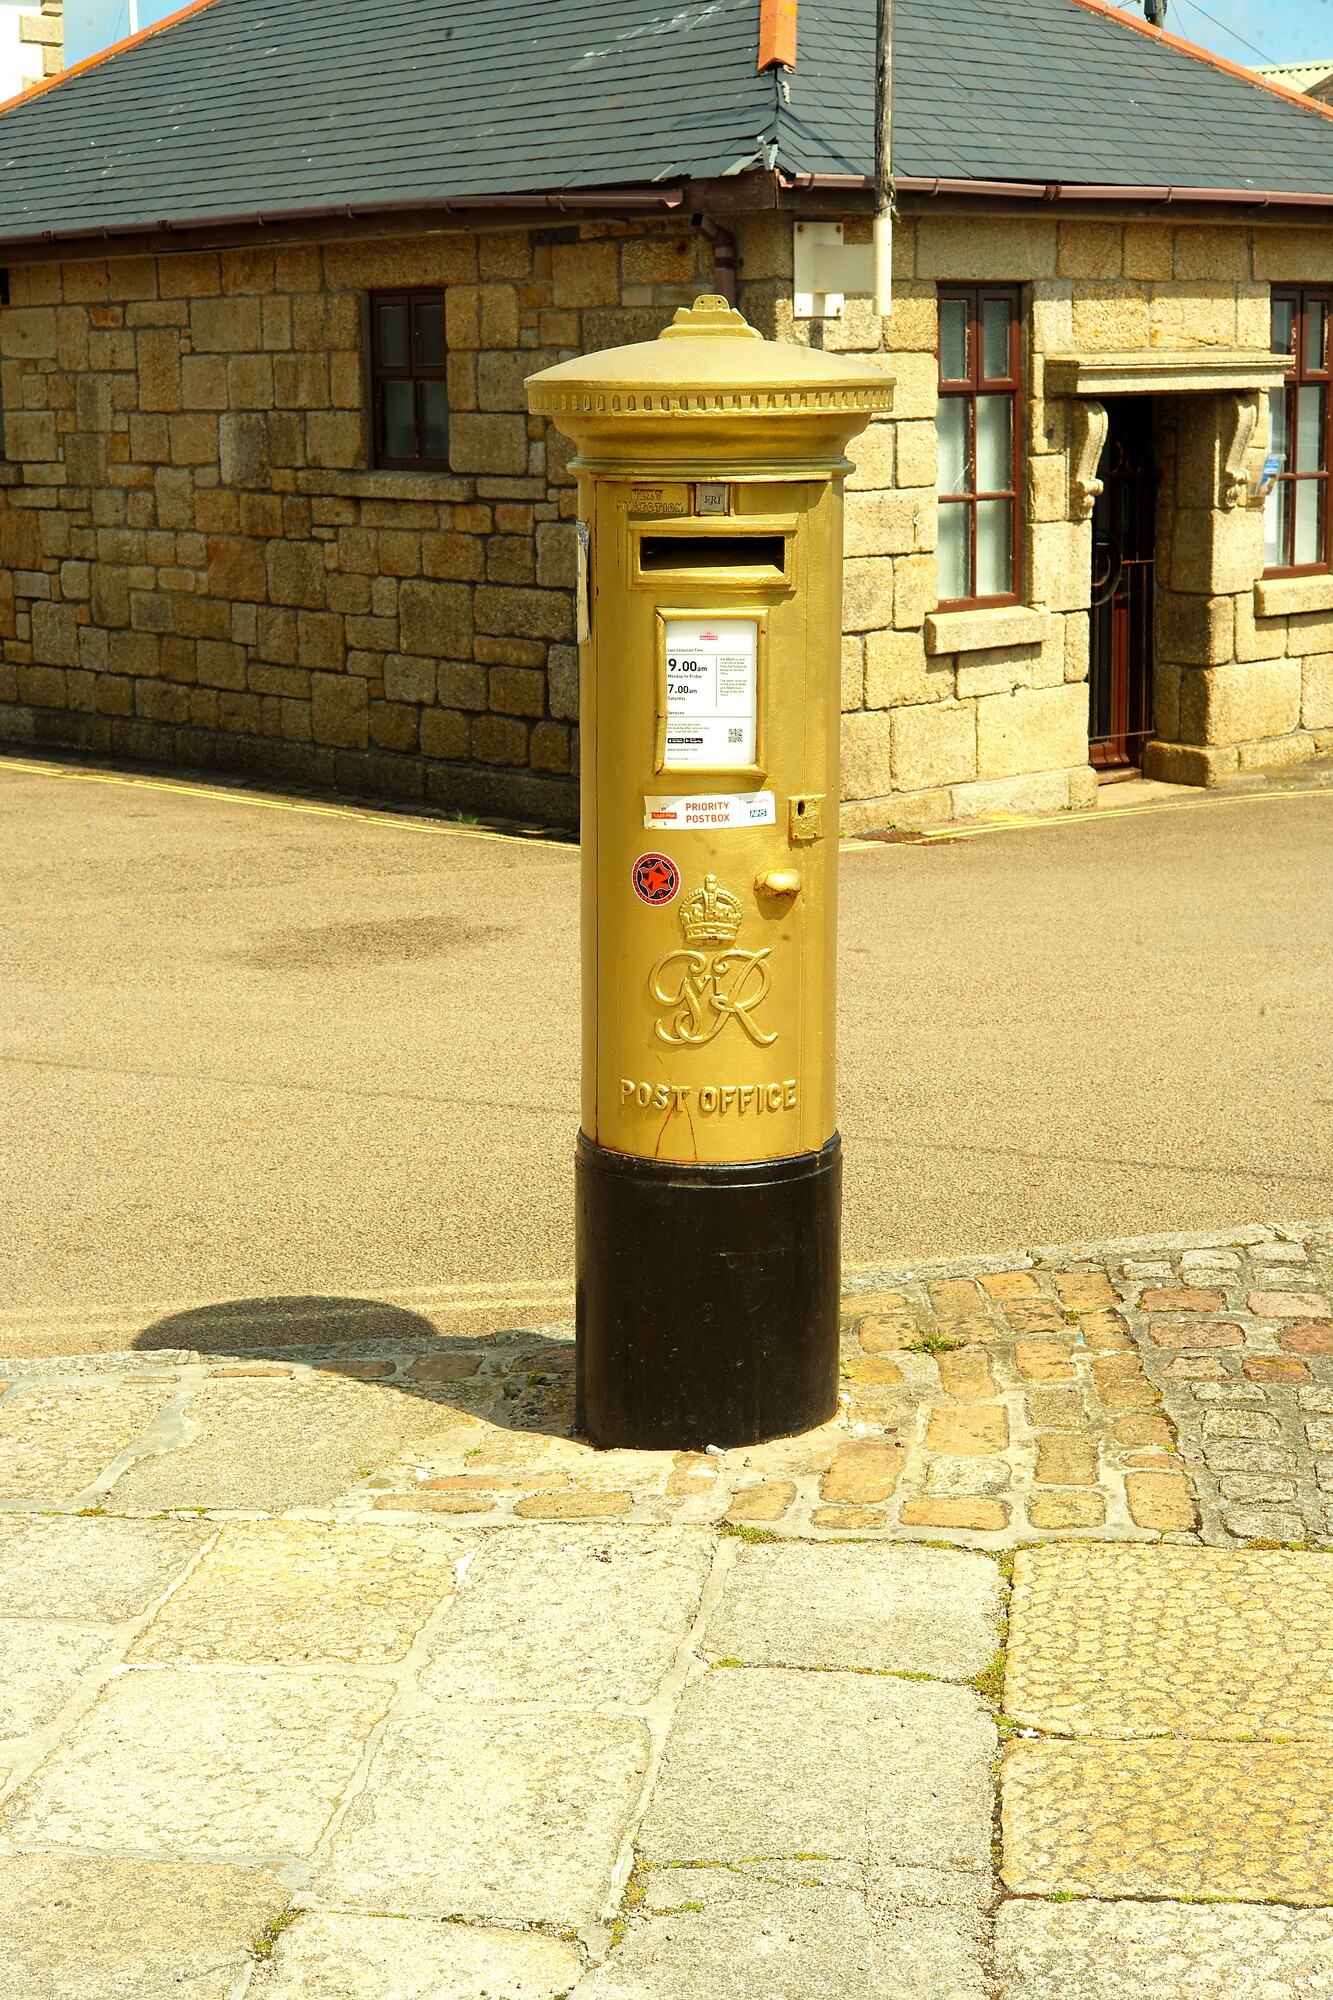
[
  {"x": 100, "y": 1570},
  {"x": 866, "y": 1606},
  {"x": 566, "y": 1616},
  {"x": 781, "y": 1933},
  {"x": 40, "y": 1667},
  {"x": 1162, "y": 1951},
  {"x": 1196, "y": 1642},
  {"x": 272, "y": 1444},
  {"x": 512, "y": 1819},
  {"x": 326, "y": 1955},
  {"x": 1238, "y": 1822},
  {"x": 287, "y": 1591},
  {"x": 112, "y": 1929},
  {"x": 183, "y": 1762},
  {"x": 763, "y": 1761},
  {"x": 54, "y": 1442}
]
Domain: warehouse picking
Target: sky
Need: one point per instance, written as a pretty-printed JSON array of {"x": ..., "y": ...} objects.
[
  {"x": 1248, "y": 31},
  {"x": 1257, "y": 31}
]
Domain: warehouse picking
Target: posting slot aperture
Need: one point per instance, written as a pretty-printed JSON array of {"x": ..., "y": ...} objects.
[{"x": 658, "y": 552}]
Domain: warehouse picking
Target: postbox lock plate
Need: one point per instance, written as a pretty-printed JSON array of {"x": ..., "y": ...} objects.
[{"x": 805, "y": 817}]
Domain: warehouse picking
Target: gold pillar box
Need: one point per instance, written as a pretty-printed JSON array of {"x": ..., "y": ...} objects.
[{"x": 710, "y": 464}]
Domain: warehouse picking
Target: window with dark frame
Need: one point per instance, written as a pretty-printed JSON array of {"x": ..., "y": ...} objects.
[
  {"x": 981, "y": 360},
  {"x": 1298, "y": 534},
  {"x": 410, "y": 392}
]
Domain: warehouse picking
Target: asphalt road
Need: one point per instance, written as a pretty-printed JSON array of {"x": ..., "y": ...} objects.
[{"x": 255, "y": 1046}]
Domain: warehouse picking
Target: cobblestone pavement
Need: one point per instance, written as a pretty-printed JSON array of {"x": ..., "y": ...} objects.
[
  {"x": 333, "y": 1666},
  {"x": 1181, "y": 1388}
]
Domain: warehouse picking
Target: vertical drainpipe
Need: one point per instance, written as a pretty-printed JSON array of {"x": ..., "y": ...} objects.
[
  {"x": 777, "y": 49},
  {"x": 883, "y": 225},
  {"x": 724, "y": 256}
]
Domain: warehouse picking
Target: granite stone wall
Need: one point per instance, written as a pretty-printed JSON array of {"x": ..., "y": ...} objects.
[
  {"x": 948, "y": 715},
  {"x": 198, "y": 565}
]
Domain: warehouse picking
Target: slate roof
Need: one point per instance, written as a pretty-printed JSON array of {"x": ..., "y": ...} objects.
[
  {"x": 275, "y": 106},
  {"x": 1044, "y": 91}
]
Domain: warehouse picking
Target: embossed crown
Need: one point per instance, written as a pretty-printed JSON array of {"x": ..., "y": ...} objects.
[{"x": 710, "y": 915}]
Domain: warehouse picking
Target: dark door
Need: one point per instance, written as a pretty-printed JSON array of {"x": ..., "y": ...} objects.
[{"x": 1123, "y": 521}]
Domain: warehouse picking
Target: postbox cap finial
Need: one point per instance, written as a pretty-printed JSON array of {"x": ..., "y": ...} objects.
[{"x": 710, "y": 314}]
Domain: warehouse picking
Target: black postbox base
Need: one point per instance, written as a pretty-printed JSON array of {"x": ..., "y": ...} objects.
[{"x": 707, "y": 1298}]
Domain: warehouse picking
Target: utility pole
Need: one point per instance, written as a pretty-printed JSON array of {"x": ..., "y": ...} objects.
[{"x": 883, "y": 228}]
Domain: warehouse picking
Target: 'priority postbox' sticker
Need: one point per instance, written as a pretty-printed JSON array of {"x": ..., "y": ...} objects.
[{"x": 656, "y": 878}]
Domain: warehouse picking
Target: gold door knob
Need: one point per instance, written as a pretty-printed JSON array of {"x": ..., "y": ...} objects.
[{"x": 777, "y": 882}]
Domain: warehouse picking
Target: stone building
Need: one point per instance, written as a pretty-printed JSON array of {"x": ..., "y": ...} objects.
[
  {"x": 32, "y": 44},
  {"x": 269, "y": 498},
  {"x": 1315, "y": 79}
]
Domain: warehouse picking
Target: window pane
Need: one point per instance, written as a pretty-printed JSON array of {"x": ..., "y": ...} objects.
[
  {"x": 393, "y": 336},
  {"x": 1284, "y": 326},
  {"x": 995, "y": 548},
  {"x": 434, "y": 408},
  {"x": 1309, "y": 520},
  {"x": 1314, "y": 336},
  {"x": 1277, "y": 520},
  {"x": 995, "y": 451},
  {"x": 1279, "y": 441},
  {"x": 995, "y": 320},
  {"x": 396, "y": 433},
  {"x": 428, "y": 327},
  {"x": 1309, "y": 430},
  {"x": 953, "y": 340},
  {"x": 955, "y": 557},
  {"x": 951, "y": 424}
]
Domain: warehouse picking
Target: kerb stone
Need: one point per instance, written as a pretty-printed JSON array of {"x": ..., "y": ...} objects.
[
  {"x": 872, "y": 1769},
  {"x": 201, "y": 1762},
  {"x": 109, "y": 1929},
  {"x": 873, "y": 1607},
  {"x": 328, "y": 1956},
  {"x": 565, "y": 1616},
  {"x": 511, "y": 1819}
]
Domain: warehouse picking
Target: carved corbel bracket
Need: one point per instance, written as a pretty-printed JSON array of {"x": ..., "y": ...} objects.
[
  {"x": 1091, "y": 424},
  {"x": 1243, "y": 414}
]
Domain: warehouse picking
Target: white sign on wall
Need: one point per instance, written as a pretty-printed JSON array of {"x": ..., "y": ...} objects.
[{"x": 712, "y": 685}]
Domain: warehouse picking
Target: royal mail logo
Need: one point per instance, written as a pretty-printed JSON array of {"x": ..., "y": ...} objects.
[{"x": 708, "y": 638}]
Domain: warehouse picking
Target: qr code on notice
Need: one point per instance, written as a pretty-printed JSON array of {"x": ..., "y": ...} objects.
[{"x": 735, "y": 735}]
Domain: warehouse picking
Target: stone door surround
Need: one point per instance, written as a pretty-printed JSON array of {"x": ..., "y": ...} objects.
[{"x": 1091, "y": 377}]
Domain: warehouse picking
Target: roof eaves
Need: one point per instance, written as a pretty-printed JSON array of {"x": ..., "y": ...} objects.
[
  {"x": 1250, "y": 76},
  {"x": 104, "y": 55}
]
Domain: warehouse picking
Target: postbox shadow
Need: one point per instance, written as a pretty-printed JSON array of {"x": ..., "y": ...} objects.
[
  {"x": 269, "y": 1328},
  {"x": 517, "y": 1377}
]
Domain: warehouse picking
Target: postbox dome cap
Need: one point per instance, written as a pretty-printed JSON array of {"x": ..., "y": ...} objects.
[
  {"x": 708, "y": 374},
  {"x": 709, "y": 349}
]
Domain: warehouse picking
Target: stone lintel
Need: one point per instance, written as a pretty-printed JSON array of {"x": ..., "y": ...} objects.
[
  {"x": 976, "y": 631},
  {"x": 1146, "y": 371},
  {"x": 1288, "y": 596}
]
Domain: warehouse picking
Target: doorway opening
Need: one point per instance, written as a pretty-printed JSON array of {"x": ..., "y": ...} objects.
[{"x": 1123, "y": 537}]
